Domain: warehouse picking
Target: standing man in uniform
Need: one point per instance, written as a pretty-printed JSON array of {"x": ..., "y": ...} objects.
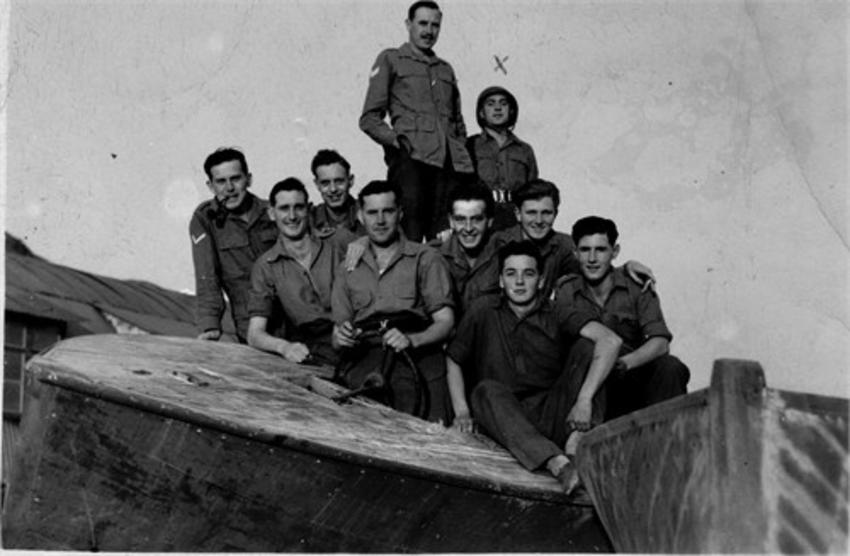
[
  {"x": 333, "y": 178},
  {"x": 228, "y": 233},
  {"x": 424, "y": 143},
  {"x": 298, "y": 271},
  {"x": 395, "y": 308}
]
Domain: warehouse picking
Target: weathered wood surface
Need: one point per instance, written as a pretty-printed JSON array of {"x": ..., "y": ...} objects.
[
  {"x": 734, "y": 468},
  {"x": 228, "y": 453}
]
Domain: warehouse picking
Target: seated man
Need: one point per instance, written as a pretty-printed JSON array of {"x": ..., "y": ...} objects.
[
  {"x": 536, "y": 208},
  {"x": 332, "y": 176},
  {"x": 297, "y": 271},
  {"x": 511, "y": 348},
  {"x": 393, "y": 311},
  {"x": 645, "y": 372}
]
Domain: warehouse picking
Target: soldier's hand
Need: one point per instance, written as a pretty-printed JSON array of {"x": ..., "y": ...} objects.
[
  {"x": 464, "y": 423},
  {"x": 445, "y": 235},
  {"x": 641, "y": 274},
  {"x": 211, "y": 335},
  {"x": 353, "y": 254},
  {"x": 345, "y": 335},
  {"x": 396, "y": 339},
  {"x": 579, "y": 416},
  {"x": 295, "y": 352}
]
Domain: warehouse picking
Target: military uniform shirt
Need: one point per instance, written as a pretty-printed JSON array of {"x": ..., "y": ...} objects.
[
  {"x": 632, "y": 314},
  {"x": 304, "y": 294},
  {"x": 527, "y": 354},
  {"x": 416, "y": 279},
  {"x": 421, "y": 96},
  {"x": 224, "y": 248}
]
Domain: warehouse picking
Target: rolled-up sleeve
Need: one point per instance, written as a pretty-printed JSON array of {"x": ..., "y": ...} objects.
[
  {"x": 262, "y": 295},
  {"x": 435, "y": 281},
  {"x": 650, "y": 317},
  {"x": 570, "y": 315}
]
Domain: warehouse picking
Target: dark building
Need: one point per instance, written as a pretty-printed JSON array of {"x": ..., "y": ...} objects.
[{"x": 46, "y": 302}]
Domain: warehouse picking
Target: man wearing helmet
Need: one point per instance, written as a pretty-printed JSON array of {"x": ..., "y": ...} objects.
[{"x": 502, "y": 161}]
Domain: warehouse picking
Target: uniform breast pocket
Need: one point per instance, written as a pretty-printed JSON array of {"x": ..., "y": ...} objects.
[
  {"x": 360, "y": 299},
  {"x": 234, "y": 252},
  {"x": 405, "y": 293},
  {"x": 519, "y": 171}
]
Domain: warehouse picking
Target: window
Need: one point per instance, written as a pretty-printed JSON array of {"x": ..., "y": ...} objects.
[{"x": 24, "y": 336}]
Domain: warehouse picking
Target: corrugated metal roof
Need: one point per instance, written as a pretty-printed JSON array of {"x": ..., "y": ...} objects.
[{"x": 38, "y": 287}]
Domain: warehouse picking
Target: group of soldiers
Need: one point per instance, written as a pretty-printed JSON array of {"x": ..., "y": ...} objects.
[{"x": 498, "y": 323}]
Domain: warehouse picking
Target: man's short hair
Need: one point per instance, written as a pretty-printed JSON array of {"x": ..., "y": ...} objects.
[
  {"x": 411, "y": 11},
  {"x": 289, "y": 184},
  {"x": 536, "y": 190},
  {"x": 590, "y": 225},
  {"x": 524, "y": 247},
  {"x": 222, "y": 155},
  {"x": 376, "y": 187},
  {"x": 473, "y": 192},
  {"x": 326, "y": 157}
]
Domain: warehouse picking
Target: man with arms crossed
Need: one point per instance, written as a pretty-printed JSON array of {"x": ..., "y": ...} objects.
[
  {"x": 228, "y": 233},
  {"x": 298, "y": 271},
  {"x": 404, "y": 289},
  {"x": 512, "y": 348},
  {"x": 424, "y": 143}
]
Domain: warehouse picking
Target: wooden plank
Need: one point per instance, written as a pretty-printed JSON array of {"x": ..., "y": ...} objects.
[
  {"x": 245, "y": 392},
  {"x": 735, "y": 401},
  {"x": 107, "y": 477},
  {"x": 644, "y": 472},
  {"x": 734, "y": 468}
]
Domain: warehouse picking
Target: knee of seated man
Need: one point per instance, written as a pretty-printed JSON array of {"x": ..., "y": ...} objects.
[
  {"x": 673, "y": 370},
  {"x": 581, "y": 349},
  {"x": 487, "y": 388}
]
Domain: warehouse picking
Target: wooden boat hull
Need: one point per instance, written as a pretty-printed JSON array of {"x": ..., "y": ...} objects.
[
  {"x": 102, "y": 471},
  {"x": 734, "y": 468}
]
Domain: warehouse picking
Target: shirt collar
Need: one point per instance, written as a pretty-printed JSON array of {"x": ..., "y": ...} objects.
[
  {"x": 620, "y": 281},
  {"x": 279, "y": 251}
]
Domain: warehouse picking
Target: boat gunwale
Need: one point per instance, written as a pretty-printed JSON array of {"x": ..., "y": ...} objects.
[{"x": 49, "y": 371}]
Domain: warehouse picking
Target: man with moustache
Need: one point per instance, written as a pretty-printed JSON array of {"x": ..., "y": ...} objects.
[
  {"x": 333, "y": 178},
  {"x": 536, "y": 208},
  {"x": 424, "y": 143},
  {"x": 298, "y": 271},
  {"x": 228, "y": 233},
  {"x": 645, "y": 372},
  {"x": 509, "y": 351},
  {"x": 394, "y": 308}
]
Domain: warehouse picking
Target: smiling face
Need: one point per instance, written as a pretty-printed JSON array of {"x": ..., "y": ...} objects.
[
  {"x": 469, "y": 222},
  {"x": 536, "y": 217},
  {"x": 229, "y": 183},
  {"x": 424, "y": 28},
  {"x": 333, "y": 181},
  {"x": 596, "y": 257},
  {"x": 496, "y": 111},
  {"x": 381, "y": 216},
  {"x": 520, "y": 279},
  {"x": 290, "y": 214}
]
